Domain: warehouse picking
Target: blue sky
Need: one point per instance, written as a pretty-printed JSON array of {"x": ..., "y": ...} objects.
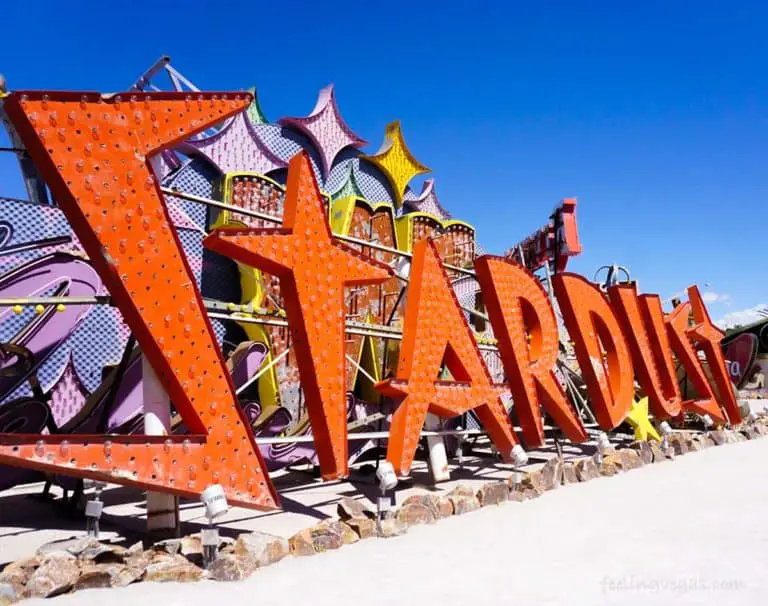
[{"x": 654, "y": 116}]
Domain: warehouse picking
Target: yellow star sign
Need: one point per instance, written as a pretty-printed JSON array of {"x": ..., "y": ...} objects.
[
  {"x": 396, "y": 161},
  {"x": 638, "y": 419}
]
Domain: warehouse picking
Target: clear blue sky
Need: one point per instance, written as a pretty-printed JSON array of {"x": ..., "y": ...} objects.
[{"x": 655, "y": 116}]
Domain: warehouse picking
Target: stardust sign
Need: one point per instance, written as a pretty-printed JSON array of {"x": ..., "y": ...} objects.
[{"x": 93, "y": 152}]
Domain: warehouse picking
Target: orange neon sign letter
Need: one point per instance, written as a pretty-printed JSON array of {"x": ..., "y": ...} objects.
[
  {"x": 93, "y": 153},
  {"x": 600, "y": 347},
  {"x": 313, "y": 269},
  {"x": 642, "y": 322},
  {"x": 436, "y": 333},
  {"x": 517, "y": 307}
]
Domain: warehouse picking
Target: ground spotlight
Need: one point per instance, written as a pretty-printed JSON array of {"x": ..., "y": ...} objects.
[
  {"x": 93, "y": 509},
  {"x": 387, "y": 482},
  {"x": 666, "y": 431},
  {"x": 603, "y": 444},
  {"x": 216, "y": 505},
  {"x": 519, "y": 458}
]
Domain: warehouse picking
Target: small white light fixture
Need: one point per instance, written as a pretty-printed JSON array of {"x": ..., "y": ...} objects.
[
  {"x": 386, "y": 476},
  {"x": 93, "y": 510},
  {"x": 666, "y": 431},
  {"x": 603, "y": 444},
  {"x": 216, "y": 505},
  {"x": 387, "y": 481},
  {"x": 215, "y": 502},
  {"x": 519, "y": 456},
  {"x": 707, "y": 420},
  {"x": 461, "y": 438}
]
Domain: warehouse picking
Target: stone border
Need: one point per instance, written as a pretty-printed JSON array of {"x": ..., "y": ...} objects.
[{"x": 84, "y": 563}]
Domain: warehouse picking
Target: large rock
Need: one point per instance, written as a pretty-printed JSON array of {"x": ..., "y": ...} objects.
[
  {"x": 93, "y": 577},
  {"x": 569, "y": 474},
  {"x": 138, "y": 561},
  {"x": 519, "y": 490},
  {"x": 445, "y": 507},
  {"x": 230, "y": 567},
  {"x": 56, "y": 575},
  {"x": 463, "y": 500},
  {"x": 704, "y": 440},
  {"x": 191, "y": 546},
  {"x": 643, "y": 450},
  {"x": 74, "y": 546},
  {"x": 8, "y": 594},
  {"x": 325, "y": 536},
  {"x": 349, "y": 534},
  {"x": 169, "y": 546},
  {"x": 534, "y": 481},
  {"x": 351, "y": 508},
  {"x": 364, "y": 527},
  {"x": 17, "y": 573},
  {"x": 462, "y": 491},
  {"x": 103, "y": 553},
  {"x": 679, "y": 444},
  {"x": 586, "y": 469},
  {"x": 261, "y": 549},
  {"x": 630, "y": 459},
  {"x": 172, "y": 568},
  {"x": 609, "y": 465},
  {"x": 300, "y": 544},
  {"x": 414, "y": 513},
  {"x": 659, "y": 456},
  {"x": 106, "y": 575},
  {"x": 719, "y": 437},
  {"x": 519, "y": 494},
  {"x": 749, "y": 431},
  {"x": 391, "y": 527},
  {"x": 691, "y": 442},
  {"x": 493, "y": 493},
  {"x": 737, "y": 436},
  {"x": 551, "y": 473},
  {"x": 439, "y": 506}
]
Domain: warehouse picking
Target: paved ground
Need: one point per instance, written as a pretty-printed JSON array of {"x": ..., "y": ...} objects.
[
  {"x": 691, "y": 531},
  {"x": 26, "y": 522}
]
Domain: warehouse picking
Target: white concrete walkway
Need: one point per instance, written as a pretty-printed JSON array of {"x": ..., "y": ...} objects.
[{"x": 693, "y": 531}]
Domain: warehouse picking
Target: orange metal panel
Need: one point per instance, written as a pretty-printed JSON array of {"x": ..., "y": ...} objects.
[
  {"x": 708, "y": 338},
  {"x": 313, "y": 269},
  {"x": 436, "y": 332},
  {"x": 642, "y": 323},
  {"x": 600, "y": 347},
  {"x": 518, "y": 307},
  {"x": 678, "y": 331},
  {"x": 93, "y": 152}
]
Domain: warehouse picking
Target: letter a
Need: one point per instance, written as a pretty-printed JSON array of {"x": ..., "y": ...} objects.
[
  {"x": 436, "y": 332},
  {"x": 600, "y": 348},
  {"x": 517, "y": 307}
]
